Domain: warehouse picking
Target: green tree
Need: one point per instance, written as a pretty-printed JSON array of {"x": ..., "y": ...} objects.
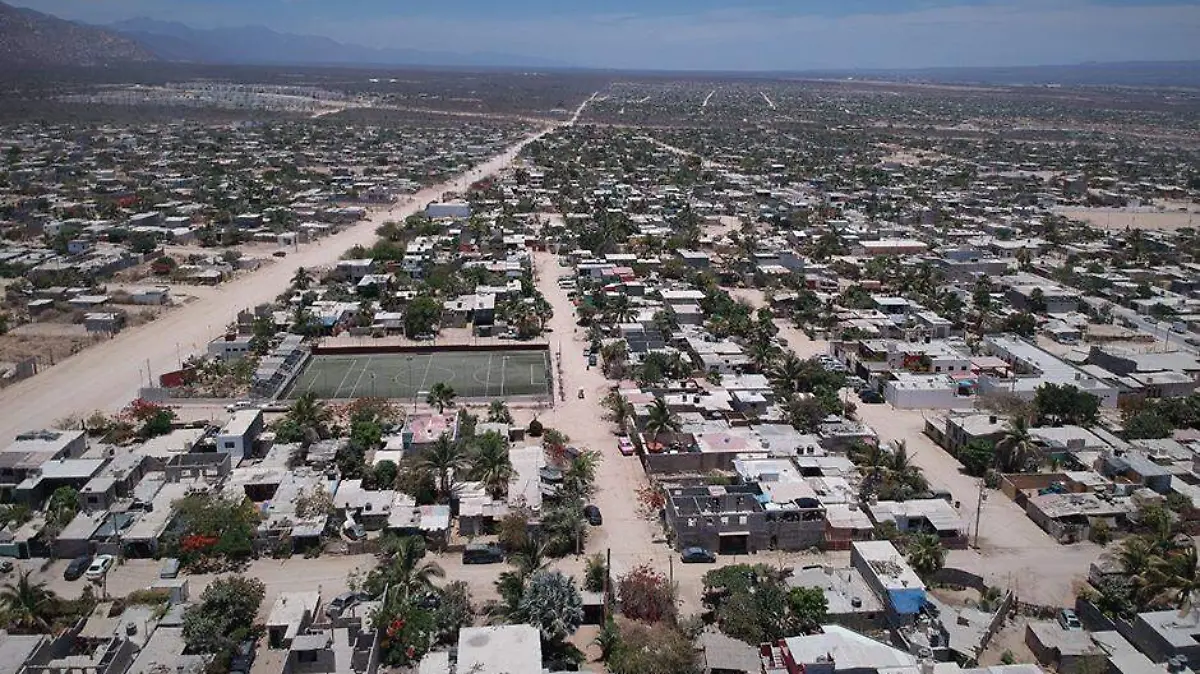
[
  {"x": 926, "y": 554},
  {"x": 441, "y": 395},
  {"x": 224, "y": 616},
  {"x": 1065, "y": 404},
  {"x": 1016, "y": 450},
  {"x": 27, "y": 603},
  {"x": 977, "y": 456},
  {"x": 443, "y": 459},
  {"x": 491, "y": 465},
  {"x": 551, "y": 602},
  {"x": 421, "y": 316},
  {"x": 498, "y": 413},
  {"x": 808, "y": 607},
  {"x": 384, "y": 474},
  {"x": 660, "y": 419},
  {"x": 405, "y": 576},
  {"x": 311, "y": 416},
  {"x": 301, "y": 280},
  {"x": 1148, "y": 423}
]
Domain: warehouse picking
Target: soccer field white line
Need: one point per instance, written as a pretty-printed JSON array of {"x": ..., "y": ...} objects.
[
  {"x": 346, "y": 376},
  {"x": 354, "y": 391}
]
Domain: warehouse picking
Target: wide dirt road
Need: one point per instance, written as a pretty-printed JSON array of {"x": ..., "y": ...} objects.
[{"x": 107, "y": 376}]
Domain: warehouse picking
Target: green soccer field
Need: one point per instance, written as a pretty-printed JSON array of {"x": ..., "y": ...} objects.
[{"x": 473, "y": 374}]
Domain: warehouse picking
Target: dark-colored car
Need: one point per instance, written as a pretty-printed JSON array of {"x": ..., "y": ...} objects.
[
  {"x": 592, "y": 513},
  {"x": 697, "y": 556},
  {"x": 243, "y": 658},
  {"x": 481, "y": 553},
  {"x": 76, "y": 568},
  {"x": 870, "y": 396}
]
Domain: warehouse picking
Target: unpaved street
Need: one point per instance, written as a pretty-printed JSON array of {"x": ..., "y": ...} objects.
[{"x": 107, "y": 376}]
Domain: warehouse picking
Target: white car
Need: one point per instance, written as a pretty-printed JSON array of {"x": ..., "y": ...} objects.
[{"x": 100, "y": 566}]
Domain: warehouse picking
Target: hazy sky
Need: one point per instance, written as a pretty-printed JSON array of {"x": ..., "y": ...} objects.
[{"x": 715, "y": 34}]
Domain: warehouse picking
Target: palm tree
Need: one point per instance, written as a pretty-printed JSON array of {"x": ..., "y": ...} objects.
[
  {"x": 580, "y": 476},
  {"x": 1136, "y": 553},
  {"x": 660, "y": 419},
  {"x": 926, "y": 554},
  {"x": 26, "y": 602},
  {"x": 442, "y": 459},
  {"x": 407, "y": 574},
  {"x": 621, "y": 311},
  {"x": 1175, "y": 579},
  {"x": 301, "y": 280},
  {"x": 621, "y": 411},
  {"x": 491, "y": 465},
  {"x": 787, "y": 373},
  {"x": 1015, "y": 450},
  {"x": 310, "y": 414},
  {"x": 762, "y": 355},
  {"x": 441, "y": 395},
  {"x": 498, "y": 413}
]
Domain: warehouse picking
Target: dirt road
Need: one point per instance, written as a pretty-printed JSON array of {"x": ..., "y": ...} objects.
[{"x": 107, "y": 376}]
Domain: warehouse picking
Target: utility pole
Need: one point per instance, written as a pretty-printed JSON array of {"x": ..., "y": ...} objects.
[{"x": 979, "y": 511}]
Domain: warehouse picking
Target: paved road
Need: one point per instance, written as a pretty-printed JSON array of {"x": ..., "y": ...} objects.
[{"x": 107, "y": 376}]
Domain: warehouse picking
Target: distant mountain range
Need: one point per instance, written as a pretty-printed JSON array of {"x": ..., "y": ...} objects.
[
  {"x": 256, "y": 45},
  {"x": 29, "y": 38}
]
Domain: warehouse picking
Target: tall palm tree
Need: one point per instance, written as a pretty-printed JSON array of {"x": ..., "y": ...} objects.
[
  {"x": 407, "y": 574},
  {"x": 1175, "y": 578},
  {"x": 27, "y": 602},
  {"x": 310, "y": 414},
  {"x": 441, "y": 395},
  {"x": 580, "y": 476},
  {"x": 926, "y": 554},
  {"x": 787, "y": 373},
  {"x": 620, "y": 410},
  {"x": 301, "y": 280},
  {"x": 442, "y": 459},
  {"x": 498, "y": 412},
  {"x": 660, "y": 419},
  {"x": 1016, "y": 449},
  {"x": 491, "y": 465},
  {"x": 762, "y": 354},
  {"x": 1135, "y": 553}
]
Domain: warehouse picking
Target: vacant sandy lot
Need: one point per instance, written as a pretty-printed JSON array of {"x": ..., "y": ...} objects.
[
  {"x": 1010, "y": 543},
  {"x": 1124, "y": 218}
]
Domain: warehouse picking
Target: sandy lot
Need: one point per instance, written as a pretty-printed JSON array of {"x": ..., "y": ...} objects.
[
  {"x": 1124, "y": 218},
  {"x": 1010, "y": 543}
]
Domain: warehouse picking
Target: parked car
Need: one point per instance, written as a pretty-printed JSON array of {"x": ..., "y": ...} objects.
[
  {"x": 592, "y": 513},
  {"x": 870, "y": 396},
  {"x": 340, "y": 603},
  {"x": 482, "y": 553},
  {"x": 76, "y": 568},
  {"x": 6, "y": 566},
  {"x": 1069, "y": 620},
  {"x": 239, "y": 405},
  {"x": 99, "y": 566},
  {"x": 280, "y": 253},
  {"x": 697, "y": 556},
  {"x": 625, "y": 446},
  {"x": 243, "y": 658}
]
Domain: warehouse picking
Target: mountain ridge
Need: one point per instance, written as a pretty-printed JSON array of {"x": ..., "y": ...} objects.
[
  {"x": 258, "y": 45},
  {"x": 29, "y": 38}
]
